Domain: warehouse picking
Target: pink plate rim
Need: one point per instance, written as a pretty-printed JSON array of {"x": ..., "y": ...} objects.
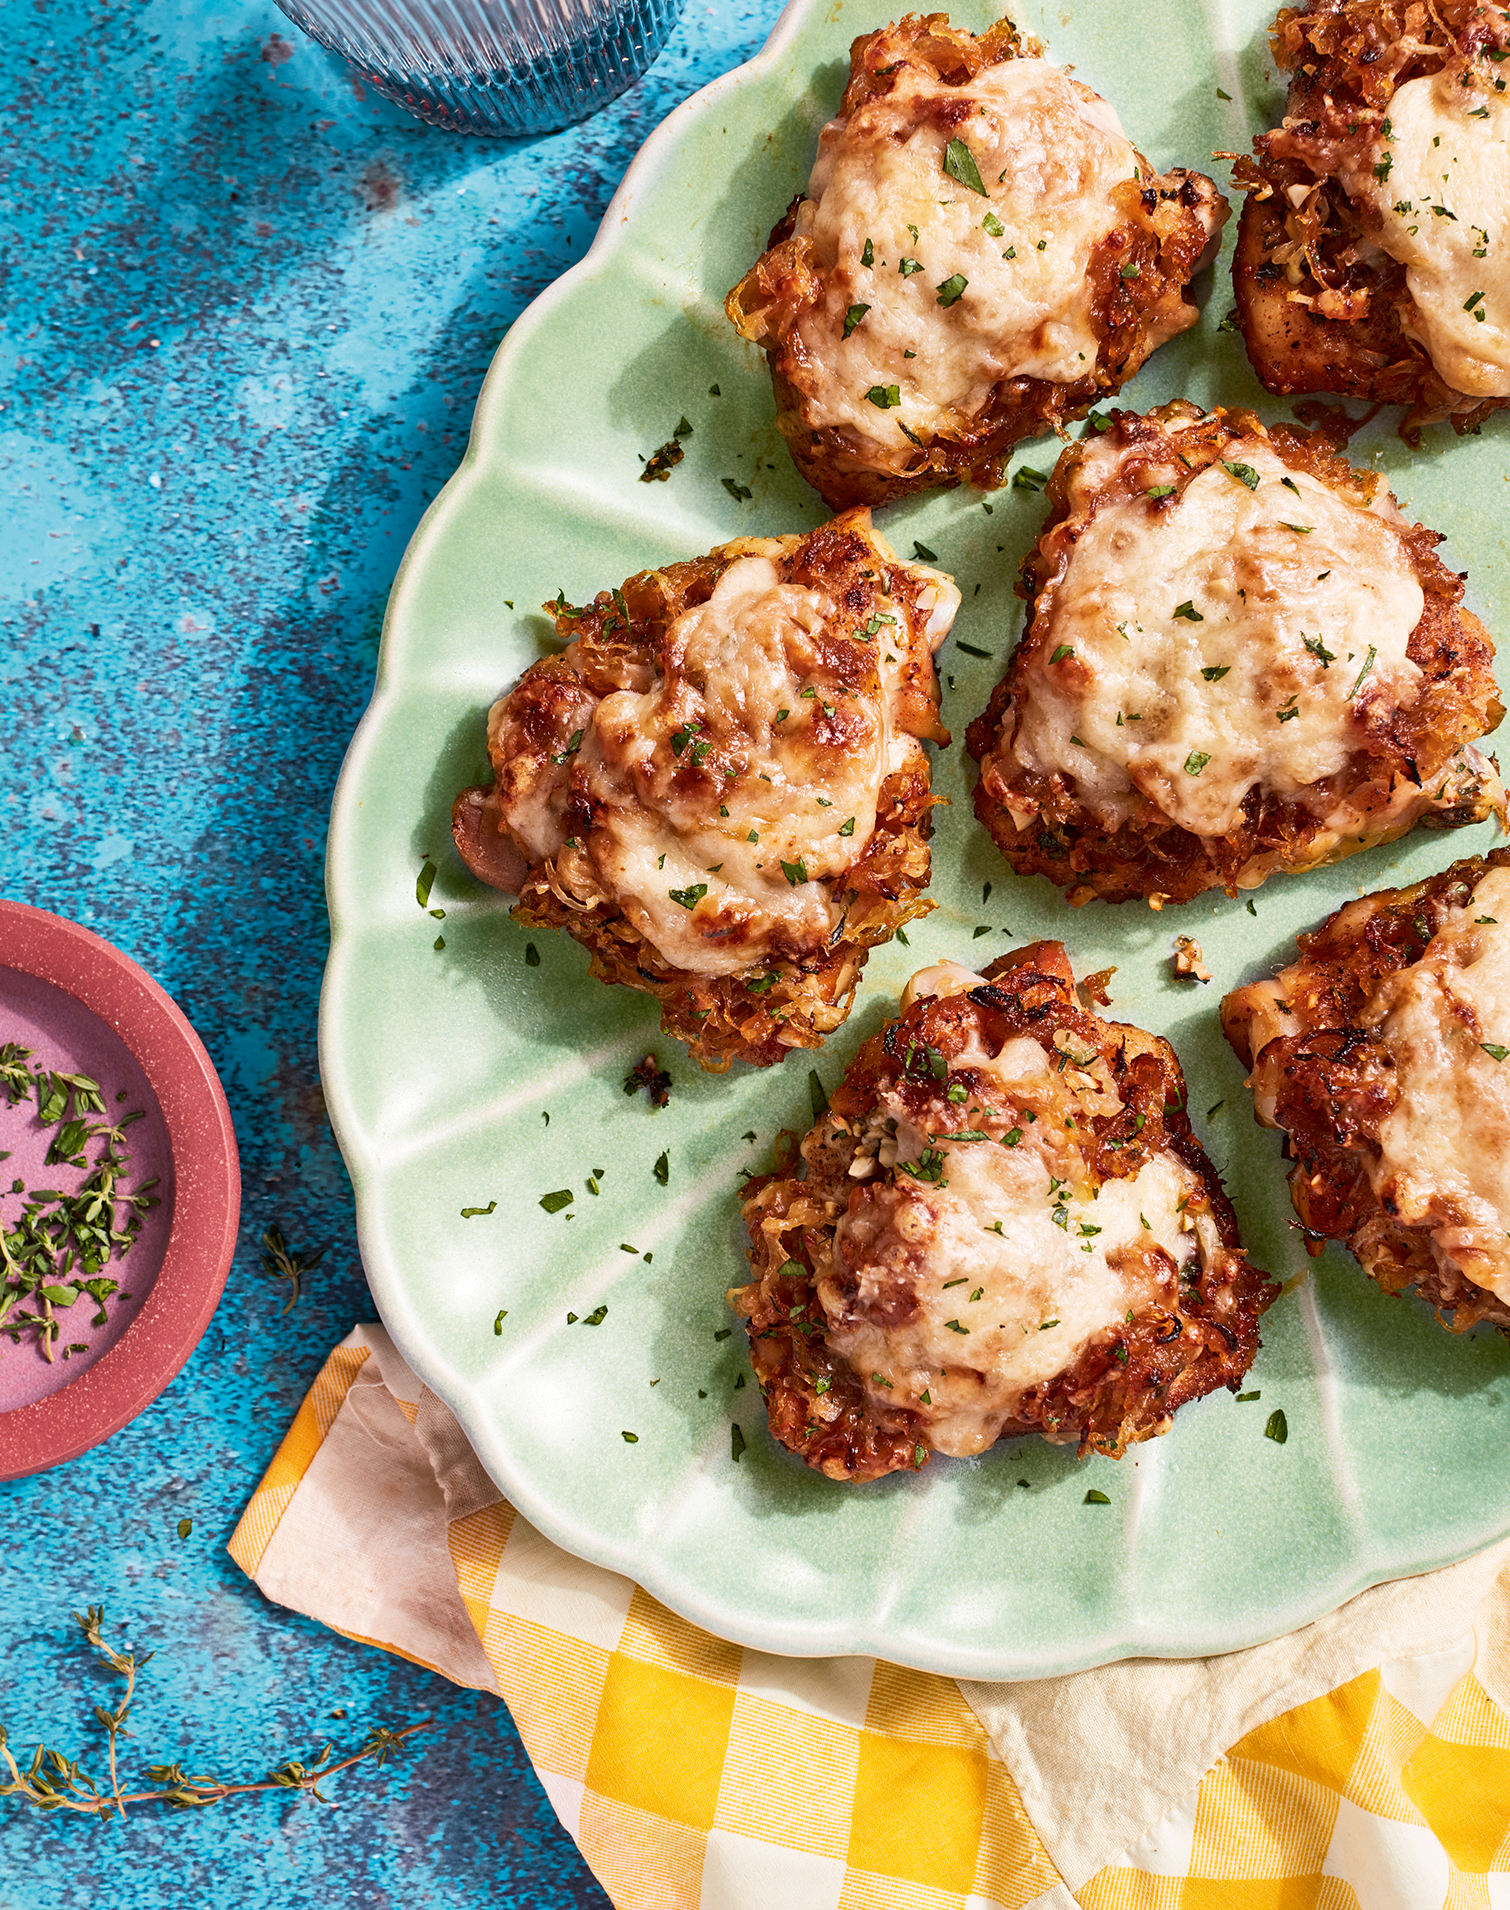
[{"x": 207, "y": 1190}]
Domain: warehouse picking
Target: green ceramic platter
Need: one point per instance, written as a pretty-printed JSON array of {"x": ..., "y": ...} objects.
[{"x": 441, "y": 1065}]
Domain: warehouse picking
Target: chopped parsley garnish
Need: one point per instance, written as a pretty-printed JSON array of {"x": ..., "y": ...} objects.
[
  {"x": 502, "y": 1315},
  {"x": 1242, "y": 1397},
  {"x": 853, "y": 316},
  {"x": 955, "y": 1327},
  {"x": 1093, "y": 1497},
  {"x": 959, "y": 163},
  {"x": 531, "y": 955},
  {"x": 1012, "y": 1136},
  {"x": 952, "y": 289},
  {"x": 1278, "y": 1428},
  {"x": 739, "y": 492},
  {"x": 795, "y": 872},
  {"x": 922, "y": 551},
  {"x": 1368, "y": 664},
  {"x": 1214, "y": 672},
  {"x": 736, "y": 1442},
  {"x": 1063, "y": 650},
  {"x": 1481, "y": 921},
  {"x": 662, "y": 1168},
  {"x": 847, "y": 827},
  {"x": 1130, "y": 271},
  {"x": 1188, "y": 611},
  {"x": 1159, "y": 490},
  {"x": 1290, "y": 485},
  {"x": 596, "y": 1318},
  {"x": 929, "y": 1168},
  {"x": 1473, "y": 298},
  {"x": 1010, "y": 253},
  {"x": 629, "y": 1438},
  {"x": 1025, "y": 478},
  {"x": 884, "y": 397},
  {"x": 994, "y": 226},
  {"x": 869, "y": 629},
  {"x": 970, "y": 649},
  {"x": 423, "y": 883},
  {"x": 867, "y": 254},
  {"x": 1494, "y": 1050},
  {"x": 553, "y": 1203},
  {"x": 817, "y": 1094},
  {"x": 471, "y": 1213},
  {"x": 1322, "y": 654},
  {"x": 688, "y": 898},
  {"x": 1196, "y": 761},
  {"x": 680, "y": 738},
  {"x": 908, "y": 266}
]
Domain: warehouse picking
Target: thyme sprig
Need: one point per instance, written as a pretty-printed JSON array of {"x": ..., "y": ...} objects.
[
  {"x": 53, "y": 1782},
  {"x": 61, "y": 1236},
  {"x": 282, "y": 1264}
]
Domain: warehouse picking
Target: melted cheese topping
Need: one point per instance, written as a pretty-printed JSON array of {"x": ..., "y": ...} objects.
[
  {"x": 1444, "y": 1150},
  {"x": 1444, "y": 211},
  {"x": 1133, "y": 711},
  {"x": 994, "y": 1280},
  {"x": 1049, "y": 154},
  {"x": 803, "y": 758}
]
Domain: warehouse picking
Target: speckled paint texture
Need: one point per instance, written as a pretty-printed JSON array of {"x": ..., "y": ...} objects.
[{"x": 247, "y": 309}]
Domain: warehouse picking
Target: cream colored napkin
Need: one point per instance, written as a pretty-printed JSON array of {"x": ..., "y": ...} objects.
[
  {"x": 1102, "y": 1757},
  {"x": 1108, "y": 1762}
]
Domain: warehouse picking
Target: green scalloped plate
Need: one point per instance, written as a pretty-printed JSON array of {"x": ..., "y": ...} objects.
[{"x": 489, "y": 1072}]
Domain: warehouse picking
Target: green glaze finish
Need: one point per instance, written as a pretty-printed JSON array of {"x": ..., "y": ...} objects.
[{"x": 441, "y": 1065}]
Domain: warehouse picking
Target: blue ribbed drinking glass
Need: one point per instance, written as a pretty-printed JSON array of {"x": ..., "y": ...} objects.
[{"x": 498, "y": 67}]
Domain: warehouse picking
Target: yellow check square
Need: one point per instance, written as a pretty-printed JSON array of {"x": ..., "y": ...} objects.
[
  {"x": 660, "y": 1741},
  {"x": 918, "y": 1811}
]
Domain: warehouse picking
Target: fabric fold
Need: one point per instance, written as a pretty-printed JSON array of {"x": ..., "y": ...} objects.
[{"x": 1367, "y": 1752}]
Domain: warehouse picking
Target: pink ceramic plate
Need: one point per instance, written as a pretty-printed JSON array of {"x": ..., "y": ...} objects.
[{"x": 81, "y": 1004}]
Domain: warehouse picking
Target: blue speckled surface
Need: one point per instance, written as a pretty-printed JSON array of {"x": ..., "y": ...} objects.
[{"x": 246, "y": 313}]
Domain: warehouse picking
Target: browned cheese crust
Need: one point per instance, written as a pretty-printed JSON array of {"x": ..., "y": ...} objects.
[
  {"x": 1136, "y": 278},
  {"x": 540, "y": 831},
  {"x": 1319, "y": 303},
  {"x": 1194, "y": 1327},
  {"x": 1330, "y": 1084},
  {"x": 1403, "y": 763}
]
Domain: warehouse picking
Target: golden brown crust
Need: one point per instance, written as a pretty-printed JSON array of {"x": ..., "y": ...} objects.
[
  {"x": 1123, "y": 1386},
  {"x": 1326, "y": 1082},
  {"x": 1137, "y": 278},
  {"x": 791, "y": 996},
  {"x": 1319, "y": 303},
  {"x": 1152, "y": 856}
]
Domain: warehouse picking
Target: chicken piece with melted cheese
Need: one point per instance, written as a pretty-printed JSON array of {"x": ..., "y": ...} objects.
[
  {"x": 1006, "y": 1225},
  {"x": 1241, "y": 659},
  {"x": 981, "y": 254},
  {"x": 1384, "y": 1055},
  {"x": 719, "y": 787},
  {"x": 1373, "y": 253}
]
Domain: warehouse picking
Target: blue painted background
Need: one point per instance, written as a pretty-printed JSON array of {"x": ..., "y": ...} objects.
[{"x": 246, "y": 314}]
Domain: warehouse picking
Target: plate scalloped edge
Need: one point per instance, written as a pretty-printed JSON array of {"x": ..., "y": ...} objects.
[{"x": 841, "y": 1636}]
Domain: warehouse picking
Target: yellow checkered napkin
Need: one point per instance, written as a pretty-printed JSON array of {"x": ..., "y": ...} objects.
[{"x": 1363, "y": 1764}]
